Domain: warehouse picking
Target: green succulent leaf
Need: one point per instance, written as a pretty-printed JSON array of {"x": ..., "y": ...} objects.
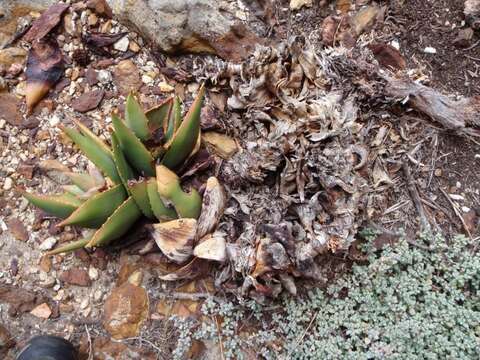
[
  {"x": 136, "y": 119},
  {"x": 57, "y": 205},
  {"x": 73, "y": 189},
  {"x": 117, "y": 224},
  {"x": 82, "y": 180},
  {"x": 174, "y": 119},
  {"x": 186, "y": 136},
  {"x": 187, "y": 205},
  {"x": 73, "y": 199},
  {"x": 123, "y": 167},
  {"x": 96, "y": 210},
  {"x": 136, "y": 153},
  {"x": 157, "y": 116},
  {"x": 72, "y": 246},
  {"x": 138, "y": 190},
  {"x": 90, "y": 135},
  {"x": 162, "y": 212},
  {"x": 98, "y": 154}
]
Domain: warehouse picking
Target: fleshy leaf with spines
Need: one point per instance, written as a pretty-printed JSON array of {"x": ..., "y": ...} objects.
[
  {"x": 185, "y": 137},
  {"x": 136, "y": 153},
  {"x": 117, "y": 224},
  {"x": 56, "y": 205},
  {"x": 159, "y": 135},
  {"x": 158, "y": 115},
  {"x": 97, "y": 209},
  {"x": 139, "y": 193},
  {"x": 136, "y": 119},
  {"x": 161, "y": 211},
  {"x": 96, "y": 153}
]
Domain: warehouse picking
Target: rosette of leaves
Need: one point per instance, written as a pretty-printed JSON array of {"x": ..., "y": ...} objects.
[{"x": 139, "y": 179}]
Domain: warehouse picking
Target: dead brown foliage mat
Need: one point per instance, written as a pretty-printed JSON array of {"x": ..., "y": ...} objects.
[{"x": 320, "y": 153}]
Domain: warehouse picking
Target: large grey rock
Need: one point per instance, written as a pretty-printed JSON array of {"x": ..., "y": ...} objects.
[{"x": 186, "y": 26}]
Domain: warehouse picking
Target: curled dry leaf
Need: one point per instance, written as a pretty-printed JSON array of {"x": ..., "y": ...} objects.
[
  {"x": 46, "y": 22},
  {"x": 97, "y": 41},
  {"x": 270, "y": 256},
  {"x": 298, "y": 4},
  {"x": 44, "y": 69},
  {"x": 212, "y": 247},
  {"x": 195, "y": 268},
  {"x": 223, "y": 145},
  {"x": 380, "y": 176},
  {"x": 213, "y": 205},
  {"x": 176, "y": 238}
]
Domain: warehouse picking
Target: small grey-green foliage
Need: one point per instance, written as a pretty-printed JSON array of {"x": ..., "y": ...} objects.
[{"x": 408, "y": 303}]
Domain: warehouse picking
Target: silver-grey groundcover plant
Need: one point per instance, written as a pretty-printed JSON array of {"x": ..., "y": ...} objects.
[{"x": 409, "y": 302}]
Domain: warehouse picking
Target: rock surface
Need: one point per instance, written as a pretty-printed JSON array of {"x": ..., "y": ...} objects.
[
  {"x": 126, "y": 308},
  {"x": 76, "y": 276},
  {"x": 187, "y": 26}
]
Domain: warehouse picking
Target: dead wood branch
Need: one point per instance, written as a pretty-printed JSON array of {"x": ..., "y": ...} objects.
[
  {"x": 461, "y": 115},
  {"x": 412, "y": 189},
  {"x": 457, "y": 212}
]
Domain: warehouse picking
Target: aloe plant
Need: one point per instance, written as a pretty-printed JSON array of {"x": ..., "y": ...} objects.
[{"x": 140, "y": 178}]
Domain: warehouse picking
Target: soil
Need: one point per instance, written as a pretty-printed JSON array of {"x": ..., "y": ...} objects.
[{"x": 415, "y": 25}]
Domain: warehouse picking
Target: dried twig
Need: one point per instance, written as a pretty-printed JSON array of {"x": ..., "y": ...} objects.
[
  {"x": 425, "y": 224},
  {"x": 90, "y": 346},
  {"x": 142, "y": 340},
  {"x": 188, "y": 296},
  {"x": 300, "y": 339},
  {"x": 457, "y": 212}
]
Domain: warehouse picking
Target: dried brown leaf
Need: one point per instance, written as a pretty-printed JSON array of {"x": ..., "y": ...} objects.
[
  {"x": 213, "y": 205},
  {"x": 46, "y": 22},
  {"x": 44, "y": 68},
  {"x": 176, "y": 238}
]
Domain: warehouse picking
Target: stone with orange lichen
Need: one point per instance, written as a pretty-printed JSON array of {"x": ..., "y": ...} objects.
[{"x": 126, "y": 308}]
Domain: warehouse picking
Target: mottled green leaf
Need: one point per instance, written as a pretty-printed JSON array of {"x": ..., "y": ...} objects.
[
  {"x": 103, "y": 159},
  {"x": 123, "y": 167},
  {"x": 136, "y": 119},
  {"x": 137, "y": 154},
  {"x": 82, "y": 180},
  {"x": 56, "y": 205},
  {"x": 157, "y": 116},
  {"x": 96, "y": 210},
  {"x": 187, "y": 205},
  {"x": 72, "y": 246},
  {"x": 174, "y": 119},
  {"x": 140, "y": 195},
  {"x": 117, "y": 224},
  {"x": 185, "y": 138},
  {"x": 161, "y": 212}
]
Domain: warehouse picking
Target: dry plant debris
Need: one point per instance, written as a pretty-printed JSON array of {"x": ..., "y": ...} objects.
[{"x": 309, "y": 142}]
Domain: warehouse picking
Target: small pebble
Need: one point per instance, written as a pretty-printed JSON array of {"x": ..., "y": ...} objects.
[
  {"x": 84, "y": 303},
  {"x": 133, "y": 46},
  {"x": 465, "y": 209},
  {"x": 54, "y": 120},
  {"x": 47, "y": 244},
  {"x": 430, "y": 50},
  {"x": 8, "y": 184},
  {"x": 164, "y": 87},
  {"x": 93, "y": 273},
  {"x": 122, "y": 44},
  {"x": 104, "y": 76},
  {"x": 456, "y": 197},
  {"x": 147, "y": 79}
]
